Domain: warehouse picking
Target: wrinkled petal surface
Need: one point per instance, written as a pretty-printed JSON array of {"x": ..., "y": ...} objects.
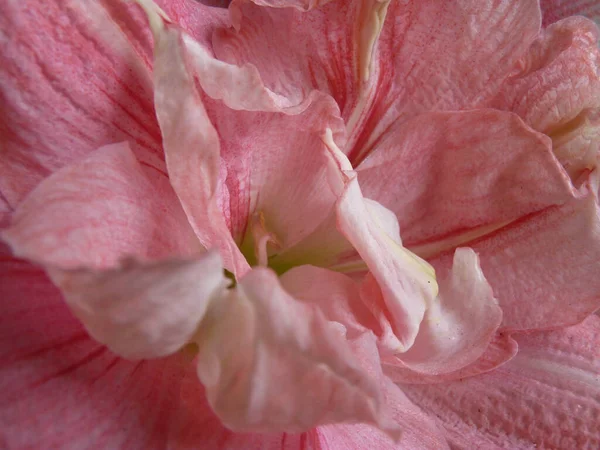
[
  {"x": 542, "y": 268},
  {"x": 327, "y": 48},
  {"x": 439, "y": 56},
  {"x": 435, "y": 332},
  {"x": 419, "y": 431},
  {"x": 546, "y": 396}
]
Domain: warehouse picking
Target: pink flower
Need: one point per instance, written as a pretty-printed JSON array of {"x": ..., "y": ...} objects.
[{"x": 362, "y": 224}]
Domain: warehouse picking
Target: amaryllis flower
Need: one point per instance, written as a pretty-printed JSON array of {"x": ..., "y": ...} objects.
[{"x": 294, "y": 224}]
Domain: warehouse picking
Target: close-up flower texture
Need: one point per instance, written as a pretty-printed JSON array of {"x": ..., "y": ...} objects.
[{"x": 299, "y": 224}]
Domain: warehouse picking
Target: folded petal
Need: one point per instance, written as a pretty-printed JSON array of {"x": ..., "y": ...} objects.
[
  {"x": 73, "y": 77},
  {"x": 63, "y": 387},
  {"x": 546, "y": 396},
  {"x": 190, "y": 141},
  {"x": 98, "y": 211},
  {"x": 270, "y": 363},
  {"x": 144, "y": 310},
  {"x": 556, "y": 85},
  {"x": 451, "y": 177}
]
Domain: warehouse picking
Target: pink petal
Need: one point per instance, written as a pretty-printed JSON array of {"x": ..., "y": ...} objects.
[
  {"x": 543, "y": 268},
  {"x": 98, "y": 211},
  {"x": 144, "y": 311},
  {"x": 434, "y": 333},
  {"x": 61, "y": 389},
  {"x": 554, "y": 10},
  {"x": 270, "y": 363},
  {"x": 407, "y": 282},
  {"x": 557, "y": 83},
  {"x": 296, "y": 52},
  {"x": 463, "y": 175},
  {"x": 501, "y": 349},
  {"x": 191, "y": 143},
  {"x": 547, "y": 396},
  {"x": 73, "y": 77}
]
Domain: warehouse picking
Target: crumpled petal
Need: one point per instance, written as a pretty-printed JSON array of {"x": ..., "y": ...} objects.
[
  {"x": 464, "y": 174},
  {"x": 73, "y": 77},
  {"x": 506, "y": 196},
  {"x": 143, "y": 311},
  {"x": 91, "y": 215},
  {"x": 270, "y": 363},
  {"x": 98, "y": 211},
  {"x": 436, "y": 333},
  {"x": 64, "y": 388},
  {"x": 557, "y": 86},
  {"x": 546, "y": 396}
]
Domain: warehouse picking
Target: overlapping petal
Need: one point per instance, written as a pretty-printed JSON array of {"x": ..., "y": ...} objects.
[
  {"x": 270, "y": 363},
  {"x": 84, "y": 219},
  {"x": 191, "y": 143},
  {"x": 495, "y": 186},
  {"x": 327, "y": 48},
  {"x": 434, "y": 333}
]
